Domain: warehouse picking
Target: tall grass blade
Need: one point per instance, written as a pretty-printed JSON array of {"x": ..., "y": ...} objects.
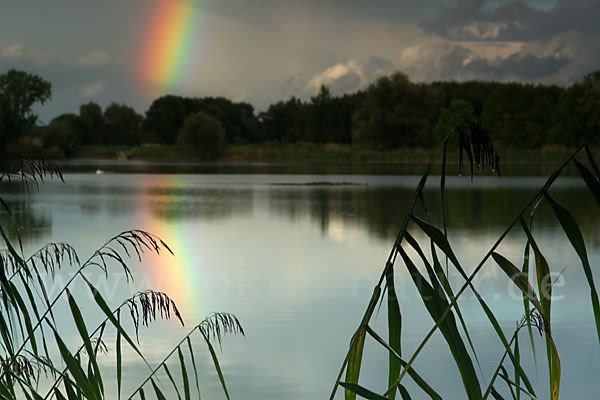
[
  {"x": 356, "y": 389},
  {"x": 75, "y": 369},
  {"x": 354, "y": 362},
  {"x": 436, "y": 307},
  {"x": 517, "y": 353},
  {"x": 517, "y": 387},
  {"x": 592, "y": 161},
  {"x": 507, "y": 350},
  {"x": 573, "y": 232},
  {"x": 555, "y": 371},
  {"x": 189, "y": 343},
  {"x": 216, "y": 364},
  {"x": 184, "y": 375},
  {"x": 545, "y": 291},
  {"x": 119, "y": 357},
  {"x": 504, "y": 375},
  {"x": 142, "y": 394},
  {"x": 525, "y": 272},
  {"x": 71, "y": 394},
  {"x": 404, "y": 393},
  {"x": 590, "y": 180},
  {"x": 85, "y": 337},
  {"x": 394, "y": 327},
  {"x": 496, "y": 395},
  {"x": 518, "y": 279},
  {"x": 108, "y": 313},
  {"x": 157, "y": 391},
  {"x": 437, "y": 274},
  {"x": 170, "y": 376},
  {"x": 440, "y": 240},
  {"x": 411, "y": 372},
  {"x": 59, "y": 395}
]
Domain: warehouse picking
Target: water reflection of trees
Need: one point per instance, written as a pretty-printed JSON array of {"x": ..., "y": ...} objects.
[
  {"x": 31, "y": 224},
  {"x": 380, "y": 210},
  {"x": 199, "y": 203}
]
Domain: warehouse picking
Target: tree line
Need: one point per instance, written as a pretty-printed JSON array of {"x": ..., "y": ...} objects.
[{"x": 391, "y": 113}]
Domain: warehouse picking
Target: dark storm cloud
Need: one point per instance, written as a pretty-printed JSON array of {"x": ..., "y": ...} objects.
[
  {"x": 520, "y": 67},
  {"x": 515, "y": 21},
  {"x": 268, "y": 11},
  {"x": 461, "y": 62}
]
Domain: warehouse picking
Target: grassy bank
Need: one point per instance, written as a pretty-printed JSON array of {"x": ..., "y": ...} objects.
[{"x": 311, "y": 153}]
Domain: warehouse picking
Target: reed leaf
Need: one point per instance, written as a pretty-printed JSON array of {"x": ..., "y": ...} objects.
[
  {"x": 518, "y": 279},
  {"x": 157, "y": 391},
  {"x": 436, "y": 306},
  {"x": 356, "y": 389},
  {"x": 574, "y": 235},
  {"x": 189, "y": 344},
  {"x": 590, "y": 180},
  {"x": 517, "y": 354},
  {"x": 184, "y": 375},
  {"x": 394, "y": 327},
  {"x": 108, "y": 313},
  {"x": 496, "y": 395},
  {"x": 439, "y": 239},
  {"x": 437, "y": 274},
  {"x": 216, "y": 364},
  {"x": 525, "y": 272},
  {"x": 507, "y": 350},
  {"x": 411, "y": 372},
  {"x": 119, "y": 357},
  {"x": 74, "y": 367},
  {"x": 404, "y": 393},
  {"x": 545, "y": 291},
  {"x": 591, "y": 159},
  {"x": 170, "y": 376},
  {"x": 354, "y": 362},
  {"x": 517, "y": 387},
  {"x": 83, "y": 332}
]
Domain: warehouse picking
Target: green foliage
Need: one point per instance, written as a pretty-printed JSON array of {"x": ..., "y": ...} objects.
[
  {"x": 122, "y": 125},
  {"x": 396, "y": 113},
  {"x": 441, "y": 299},
  {"x": 204, "y": 133},
  {"x": 63, "y": 133},
  {"x": 92, "y": 124},
  {"x": 458, "y": 111},
  {"x": 33, "y": 344},
  {"x": 19, "y": 91},
  {"x": 165, "y": 118}
]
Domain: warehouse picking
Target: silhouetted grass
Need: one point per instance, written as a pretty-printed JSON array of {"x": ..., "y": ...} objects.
[
  {"x": 33, "y": 347},
  {"x": 441, "y": 300}
]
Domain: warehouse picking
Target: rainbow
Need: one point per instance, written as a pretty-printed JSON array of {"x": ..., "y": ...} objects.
[
  {"x": 178, "y": 275},
  {"x": 167, "y": 43}
]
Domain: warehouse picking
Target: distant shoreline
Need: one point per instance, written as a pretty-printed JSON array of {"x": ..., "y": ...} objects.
[{"x": 312, "y": 153}]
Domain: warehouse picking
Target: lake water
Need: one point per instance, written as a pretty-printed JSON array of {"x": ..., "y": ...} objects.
[{"x": 295, "y": 254}]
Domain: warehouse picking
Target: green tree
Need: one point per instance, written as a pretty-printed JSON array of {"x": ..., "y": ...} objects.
[
  {"x": 396, "y": 113},
  {"x": 459, "y": 110},
  {"x": 284, "y": 121},
  {"x": 19, "y": 91},
  {"x": 122, "y": 125},
  {"x": 165, "y": 118},
  {"x": 204, "y": 133},
  {"x": 92, "y": 123},
  {"x": 61, "y": 136}
]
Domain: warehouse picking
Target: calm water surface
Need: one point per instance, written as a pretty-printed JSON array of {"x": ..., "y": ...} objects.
[{"x": 295, "y": 255}]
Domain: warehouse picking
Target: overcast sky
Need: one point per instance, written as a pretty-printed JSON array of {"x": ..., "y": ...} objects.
[{"x": 262, "y": 51}]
